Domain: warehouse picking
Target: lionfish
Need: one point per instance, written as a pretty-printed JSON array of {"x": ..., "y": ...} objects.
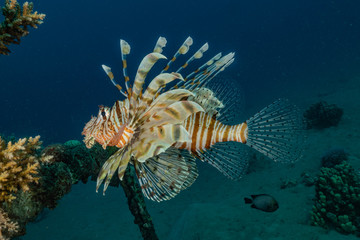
[{"x": 162, "y": 131}]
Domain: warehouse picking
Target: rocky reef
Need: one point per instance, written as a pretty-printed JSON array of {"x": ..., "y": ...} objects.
[
  {"x": 322, "y": 115},
  {"x": 337, "y": 203},
  {"x": 33, "y": 178},
  {"x": 16, "y": 23}
]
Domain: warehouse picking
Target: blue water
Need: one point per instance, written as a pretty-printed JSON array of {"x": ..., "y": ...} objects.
[{"x": 53, "y": 82}]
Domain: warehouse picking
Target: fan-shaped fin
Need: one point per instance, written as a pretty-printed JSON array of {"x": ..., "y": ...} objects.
[
  {"x": 192, "y": 168},
  {"x": 277, "y": 131},
  {"x": 162, "y": 177},
  {"x": 232, "y": 98},
  {"x": 225, "y": 101},
  {"x": 230, "y": 158}
]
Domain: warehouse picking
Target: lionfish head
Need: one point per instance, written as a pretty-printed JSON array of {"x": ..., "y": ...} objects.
[{"x": 97, "y": 129}]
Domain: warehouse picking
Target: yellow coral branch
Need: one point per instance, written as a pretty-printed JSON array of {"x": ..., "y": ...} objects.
[
  {"x": 6, "y": 224},
  {"x": 19, "y": 165},
  {"x": 12, "y": 4},
  {"x": 17, "y": 20}
]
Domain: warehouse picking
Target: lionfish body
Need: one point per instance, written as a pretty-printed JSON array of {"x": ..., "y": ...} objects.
[{"x": 161, "y": 132}]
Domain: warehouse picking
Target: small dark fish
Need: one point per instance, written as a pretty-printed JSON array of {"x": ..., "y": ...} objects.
[{"x": 263, "y": 202}]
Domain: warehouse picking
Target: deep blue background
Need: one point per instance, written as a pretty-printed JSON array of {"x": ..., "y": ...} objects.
[{"x": 53, "y": 82}]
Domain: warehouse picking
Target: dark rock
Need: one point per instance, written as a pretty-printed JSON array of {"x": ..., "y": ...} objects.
[
  {"x": 322, "y": 115},
  {"x": 334, "y": 157}
]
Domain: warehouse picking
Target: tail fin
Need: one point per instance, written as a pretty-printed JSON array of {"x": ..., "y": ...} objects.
[{"x": 277, "y": 131}]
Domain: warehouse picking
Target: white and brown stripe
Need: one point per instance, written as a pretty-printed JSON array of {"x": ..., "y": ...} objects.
[
  {"x": 205, "y": 131},
  {"x": 146, "y": 64},
  {"x": 109, "y": 129}
]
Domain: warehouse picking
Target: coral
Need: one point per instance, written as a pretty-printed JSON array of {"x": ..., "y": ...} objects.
[
  {"x": 67, "y": 164},
  {"x": 7, "y": 227},
  {"x": 30, "y": 181},
  {"x": 334, "y": 157},
  {"x": 54, "y": 153},
  {"x": 76, "y": 156},
  {"x": 55, "y": 182},
  {"x": 57, "y": 168},
  {"x": 18, "y": 166},
  {"x": 23, "y": 209},
  {"x": 337, "y": 201},
  {"x": 307, "y": 179},
  {"x": 80, "y": 162},
  {"x": 16, "y": 23},
  {"x": 322, "y": 115}
]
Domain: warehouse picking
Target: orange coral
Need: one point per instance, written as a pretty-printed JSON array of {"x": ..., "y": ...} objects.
[
  {"x": 18, "y": 165},
  {"x": 16, "y": 23}
]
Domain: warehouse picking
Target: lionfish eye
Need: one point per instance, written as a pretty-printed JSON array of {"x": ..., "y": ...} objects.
[{"x": 103, "y": 113}]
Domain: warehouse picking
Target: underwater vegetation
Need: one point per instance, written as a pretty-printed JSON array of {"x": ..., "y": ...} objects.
[
  {"x": 337, "y": 203},
  {"x": 7, "y": 227},
  {"x": 16, "y": 23},
  {"x": 19, "y": 165},
  {"x": 322, "y": 115},
  {"x": 69, "y": 163},
  {"x": 32, "y": 179}
]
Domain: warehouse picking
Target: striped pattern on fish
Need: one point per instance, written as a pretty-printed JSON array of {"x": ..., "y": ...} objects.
[
  {"x": 161, "y": 131},
  {"x": 206, "y": 131},
  {"x": 109, "y": 129}
]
